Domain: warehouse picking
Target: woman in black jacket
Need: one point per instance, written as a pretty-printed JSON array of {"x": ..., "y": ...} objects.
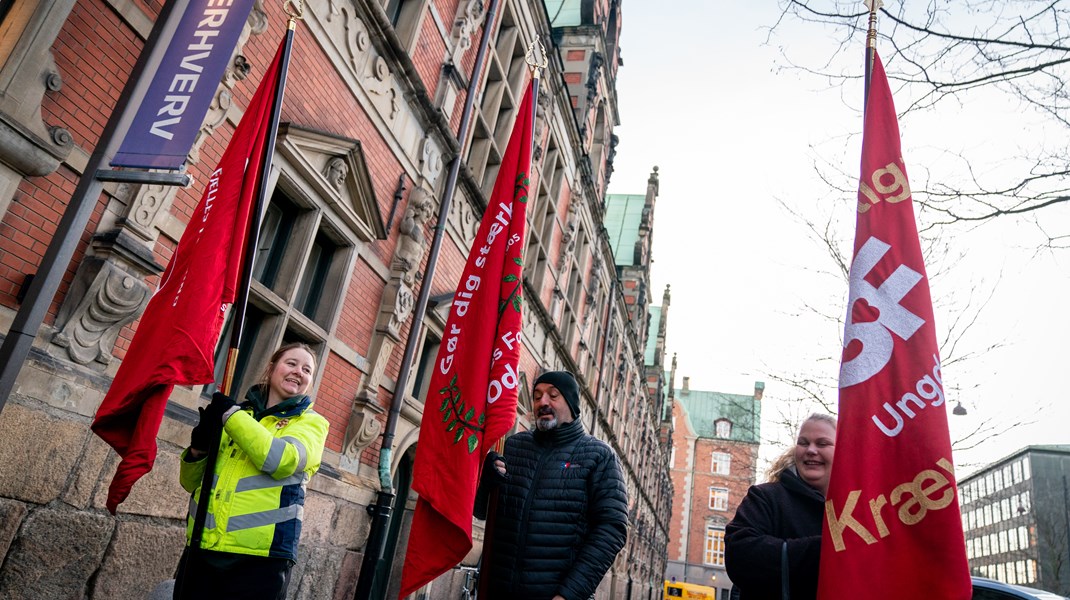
[{"x": 773, "y": 545}]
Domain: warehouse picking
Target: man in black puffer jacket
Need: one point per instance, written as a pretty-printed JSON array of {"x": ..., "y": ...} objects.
[{"x": 562, "y": 509}]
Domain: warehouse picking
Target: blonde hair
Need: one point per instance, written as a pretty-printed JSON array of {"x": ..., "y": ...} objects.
[
  {"x": 781, "y": 464},
  {"x": 787, "y": 458}
]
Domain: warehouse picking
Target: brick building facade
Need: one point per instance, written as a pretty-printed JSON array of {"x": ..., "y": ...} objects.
[
  {"x": 374, "y": 101},
  {"x": 714, "y": 458}
]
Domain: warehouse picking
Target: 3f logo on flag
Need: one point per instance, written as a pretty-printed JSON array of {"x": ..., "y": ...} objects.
[{"x": 893, "y": 317}]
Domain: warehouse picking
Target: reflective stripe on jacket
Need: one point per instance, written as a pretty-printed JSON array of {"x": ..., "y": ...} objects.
[{"x": 260, "y": 478}]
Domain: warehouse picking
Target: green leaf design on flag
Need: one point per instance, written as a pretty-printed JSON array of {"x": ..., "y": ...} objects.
[
  {"x": 510, "y": 278},
  {"x": 516, "y": 303},
  {"x": 518, "y": 260},
  {"x": 460, "y": 418}
]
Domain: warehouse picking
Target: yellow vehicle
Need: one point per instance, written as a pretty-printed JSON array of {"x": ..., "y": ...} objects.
[{"x": 694, "y": 591}]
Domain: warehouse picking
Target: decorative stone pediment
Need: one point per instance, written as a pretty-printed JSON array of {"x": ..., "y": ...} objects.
[{"x": 336, "y": 170}]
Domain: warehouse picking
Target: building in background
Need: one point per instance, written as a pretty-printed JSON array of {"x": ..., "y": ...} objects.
[
  {"x": 715, "y": 439},
  {"x": 374, "y": 100},
  {"x": 1016, "y": 518}
]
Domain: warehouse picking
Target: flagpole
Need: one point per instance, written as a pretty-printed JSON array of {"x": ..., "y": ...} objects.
[
  {"x": 242, "y": 299},
  {"x": 43, "y": 285},
  {"x": 871, "y": 47},
  {"x": 380, "y": 511},
  {"x": 536, "y": 59}
]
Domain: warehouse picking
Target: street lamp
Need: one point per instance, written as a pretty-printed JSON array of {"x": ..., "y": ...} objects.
[{"x": 959, "y": 409}]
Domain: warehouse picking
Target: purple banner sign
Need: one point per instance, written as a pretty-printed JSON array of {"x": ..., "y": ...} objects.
[{"x": 173, "y": 109}]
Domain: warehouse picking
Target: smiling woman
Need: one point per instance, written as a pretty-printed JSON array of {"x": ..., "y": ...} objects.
[
  {"x": 270, "y": 446},
  {"x": 773, "y": 545}
]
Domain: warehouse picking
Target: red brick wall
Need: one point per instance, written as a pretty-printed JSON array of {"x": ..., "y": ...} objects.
[{"x": 695, "y": 494}]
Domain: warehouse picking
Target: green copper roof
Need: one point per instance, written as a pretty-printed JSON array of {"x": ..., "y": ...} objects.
[
  {"x": 563, "y": 13},
  {"x": 624, "y": 214},
  {"x": 652, "y": 335},
  {"x": 704, "y": 409}
]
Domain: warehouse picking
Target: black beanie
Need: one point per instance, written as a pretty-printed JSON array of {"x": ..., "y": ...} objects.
[{"x": 566, "y": 384}]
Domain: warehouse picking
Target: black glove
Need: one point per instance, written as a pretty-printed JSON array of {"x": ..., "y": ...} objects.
[
  {"x": 205, "y": 433},
  {"x": 489, "y": 480},
  {"x": 491, "y": 474},
  {"x": 220, "y": 404}
]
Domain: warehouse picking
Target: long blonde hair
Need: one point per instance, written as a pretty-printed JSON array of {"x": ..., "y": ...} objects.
[{"x": 787, "y": 458}]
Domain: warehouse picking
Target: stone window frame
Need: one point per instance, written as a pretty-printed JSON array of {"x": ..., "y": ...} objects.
[
  {"x": 718, "y": 458},
  {"x": 408, "y": 20},
  {"x": 718, "y": 498},
  {"x": 343, "y": 212},
  {"x": 722, "y": 428},
  {"x": 713, "y": 547}
]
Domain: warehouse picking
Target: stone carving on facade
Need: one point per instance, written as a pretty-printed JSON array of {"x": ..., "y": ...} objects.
[
  {"x": 335, "y": 172},
  {"x": 395, "y": 308},
  {"x": 29, "y": 146},
  {"x": 568, "y": 239},
  {"x": 380, "y": 83},
  {"x": 430, "y": 161},
  {"x": 542, "y": 112},
  {"x": 463, "y": 219},
  {"x": 144, "y": 203},
  {"x": 112, "y": 278},
  {"x": 363, "y": 428},
  {"x": 351, "y": 37},
  {"x": 412, "y": 239},
  {"x": 106, "y": 296},
  {"x": 610, "y": 155},
  {"x": 469, "y": 17},
  {"x": 593, "y": 73}
]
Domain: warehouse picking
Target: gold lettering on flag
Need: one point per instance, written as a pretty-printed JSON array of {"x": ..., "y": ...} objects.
[{"x": 928, "y": 490}]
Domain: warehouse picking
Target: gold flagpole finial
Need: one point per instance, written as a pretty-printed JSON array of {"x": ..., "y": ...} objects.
[
  {"x": 536, "y": 57},
  {"x": 871, "y": 35},
  {"x": 296, "y": 11}
]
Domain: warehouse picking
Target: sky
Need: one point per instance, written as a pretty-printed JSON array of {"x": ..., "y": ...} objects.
[{"x": 705, "y": 96}]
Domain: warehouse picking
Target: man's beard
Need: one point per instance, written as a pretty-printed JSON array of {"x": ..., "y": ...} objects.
[{"x": 544, "y": 425}]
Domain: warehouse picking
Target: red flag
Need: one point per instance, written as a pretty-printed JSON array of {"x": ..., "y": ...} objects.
[
  {"x": 177, "y": 335},
  {"x": 471, "y": 402},
  {"x": 892, "y": 525}
]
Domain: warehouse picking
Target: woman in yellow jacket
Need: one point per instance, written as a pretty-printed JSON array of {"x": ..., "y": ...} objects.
[{"x": 270, "y": 447}]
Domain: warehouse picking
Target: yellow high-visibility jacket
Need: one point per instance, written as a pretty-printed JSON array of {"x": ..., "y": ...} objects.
[{"x": 263, "y": 468}]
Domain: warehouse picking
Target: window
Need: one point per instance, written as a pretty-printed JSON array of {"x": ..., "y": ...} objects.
[
  {"x": 422, "y": 381},
  {"x": 714, "y": 546},
  {"x": 315, "y": 277},
  {"x": 718, "y": 498},
  {"x": 721, "y": 463},
  {"x": 723, "y": 428},
  {"x": 1025, "y": 472},
  {"x": 506, "y": 75}
]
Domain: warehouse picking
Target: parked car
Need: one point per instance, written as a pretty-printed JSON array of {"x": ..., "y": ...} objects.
[{"x": 990, "y": 589}]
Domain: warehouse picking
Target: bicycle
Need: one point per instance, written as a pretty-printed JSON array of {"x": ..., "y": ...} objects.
[{"x": 471, "y": 580}]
